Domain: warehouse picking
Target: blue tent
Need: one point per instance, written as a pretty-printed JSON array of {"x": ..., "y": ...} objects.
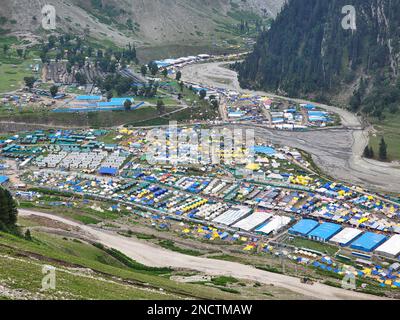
[
  {"x": 3, "y": 179},
  {"x": 108, "y": 171}
]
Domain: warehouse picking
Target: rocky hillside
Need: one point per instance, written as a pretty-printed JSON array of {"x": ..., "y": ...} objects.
[
  {"x": 307, "y": 52},
  {"x": 147, "y": 23}
]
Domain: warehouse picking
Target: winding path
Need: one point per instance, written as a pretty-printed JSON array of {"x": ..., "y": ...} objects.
[{"x": 152, "y": 255}]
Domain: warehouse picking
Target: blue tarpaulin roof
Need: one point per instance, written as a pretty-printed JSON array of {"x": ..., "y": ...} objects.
[
  {"x": 325, "y": 231},
  {"x": 368, "y": 241},
  {"x": 310, "y": 106},
  {"x": 88, "y": 98},
  {"x": 114, "y": 102},
  {"x": 264, "y": 150},
  {"x": 304, "y": 227},
  {"x": 162, "y": 64},
  {"x": 109, "y": 171},
  {"x": 3, "y": 179},
  {"x": 109, "y": 104},
  {"x": 123, "y": 99}
]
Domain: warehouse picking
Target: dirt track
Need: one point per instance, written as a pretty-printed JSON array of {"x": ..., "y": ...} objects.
[
  {"x": 338, "y": 152},
  {"x": 152, "y": 255}
]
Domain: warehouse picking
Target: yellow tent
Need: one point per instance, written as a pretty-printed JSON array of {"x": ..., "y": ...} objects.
[
  {"x": 362, "y": 220},
  {"x": 248, "y": 248},
  {"x": 253, "y": 166}
]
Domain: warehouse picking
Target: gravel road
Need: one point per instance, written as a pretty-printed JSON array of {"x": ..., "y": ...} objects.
[{"x": 152, "y": 255}]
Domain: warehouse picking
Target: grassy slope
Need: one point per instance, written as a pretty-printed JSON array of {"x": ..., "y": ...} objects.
[
  {"x": 68, "y": 286},
  {"x": 25, "y": 273},
  {"x": 143, "y": 116},
  {"x": 313, "y": 245},
  {"x": 12, "y": 68},
  {"x": 92, "y": 119},
  {"x": 390, "y": 129}
]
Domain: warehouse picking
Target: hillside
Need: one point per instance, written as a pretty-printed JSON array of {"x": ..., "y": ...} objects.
[
  {"x": 157, "y": 23},
  {"x": 308, "y": 53},
  {"x": 84, "y": 271},
  {"x": 87, "y": 269}
]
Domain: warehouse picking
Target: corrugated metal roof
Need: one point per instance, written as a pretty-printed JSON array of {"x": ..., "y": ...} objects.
[
  {"x": 346, "y": 236},
  {"x": 368, "y": 241},
  {"x": 304, "y": 227},
  {"x": 325, "y": 231},
  {"x": 390, "y": 247}
]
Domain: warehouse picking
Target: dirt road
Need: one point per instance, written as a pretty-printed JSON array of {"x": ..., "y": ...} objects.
[
  {"x": 152, "y": 255},
  {"x": 338, "y": 152}
]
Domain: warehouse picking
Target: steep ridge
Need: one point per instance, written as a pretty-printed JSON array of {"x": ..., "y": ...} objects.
[
  {"x": 308, "y": 53},
  {"x": 146, "y": 23}
]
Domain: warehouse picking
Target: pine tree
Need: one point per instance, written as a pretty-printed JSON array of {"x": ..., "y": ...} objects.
[
  {"x": 143, "y": 71},
  {"x": 28, "y": 235},
  {"x": 53, "y": 91},
  {"x": 383, "y": 150},
  {"x": 12, "y": 209},
  {"x": 367, "y": 153},
  {"x": 127, "y": 105},
  {"x": 8, "y": 211},
  {"x": 160, "y": 106},
  {"x": 371, "y": 152},
  {"x": 3, "y": 210},
  {"x": 203, "y": 94}
]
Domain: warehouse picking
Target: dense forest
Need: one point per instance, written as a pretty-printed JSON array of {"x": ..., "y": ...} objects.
[
  {"x": 308, "y": 53},
  {"x": 8, "y": 212}
]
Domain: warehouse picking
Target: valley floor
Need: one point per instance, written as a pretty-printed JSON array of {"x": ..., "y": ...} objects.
[{"x": 338, "y": 152}]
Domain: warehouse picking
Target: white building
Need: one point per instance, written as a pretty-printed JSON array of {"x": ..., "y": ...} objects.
[
  {"x": 390, "y": 248},
  {"x": 346, "y": 236}
]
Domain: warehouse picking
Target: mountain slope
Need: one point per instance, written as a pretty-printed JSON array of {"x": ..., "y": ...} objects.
[
  {"x": 308, "y": 53},
  {"x": 84, "y": 271},
  {"x": 147, "y": 23}
]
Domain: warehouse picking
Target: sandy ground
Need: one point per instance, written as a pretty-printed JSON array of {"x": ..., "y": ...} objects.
[
  {"x": 152, "y": 255},
  {"x": 338, "y": 152}
]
